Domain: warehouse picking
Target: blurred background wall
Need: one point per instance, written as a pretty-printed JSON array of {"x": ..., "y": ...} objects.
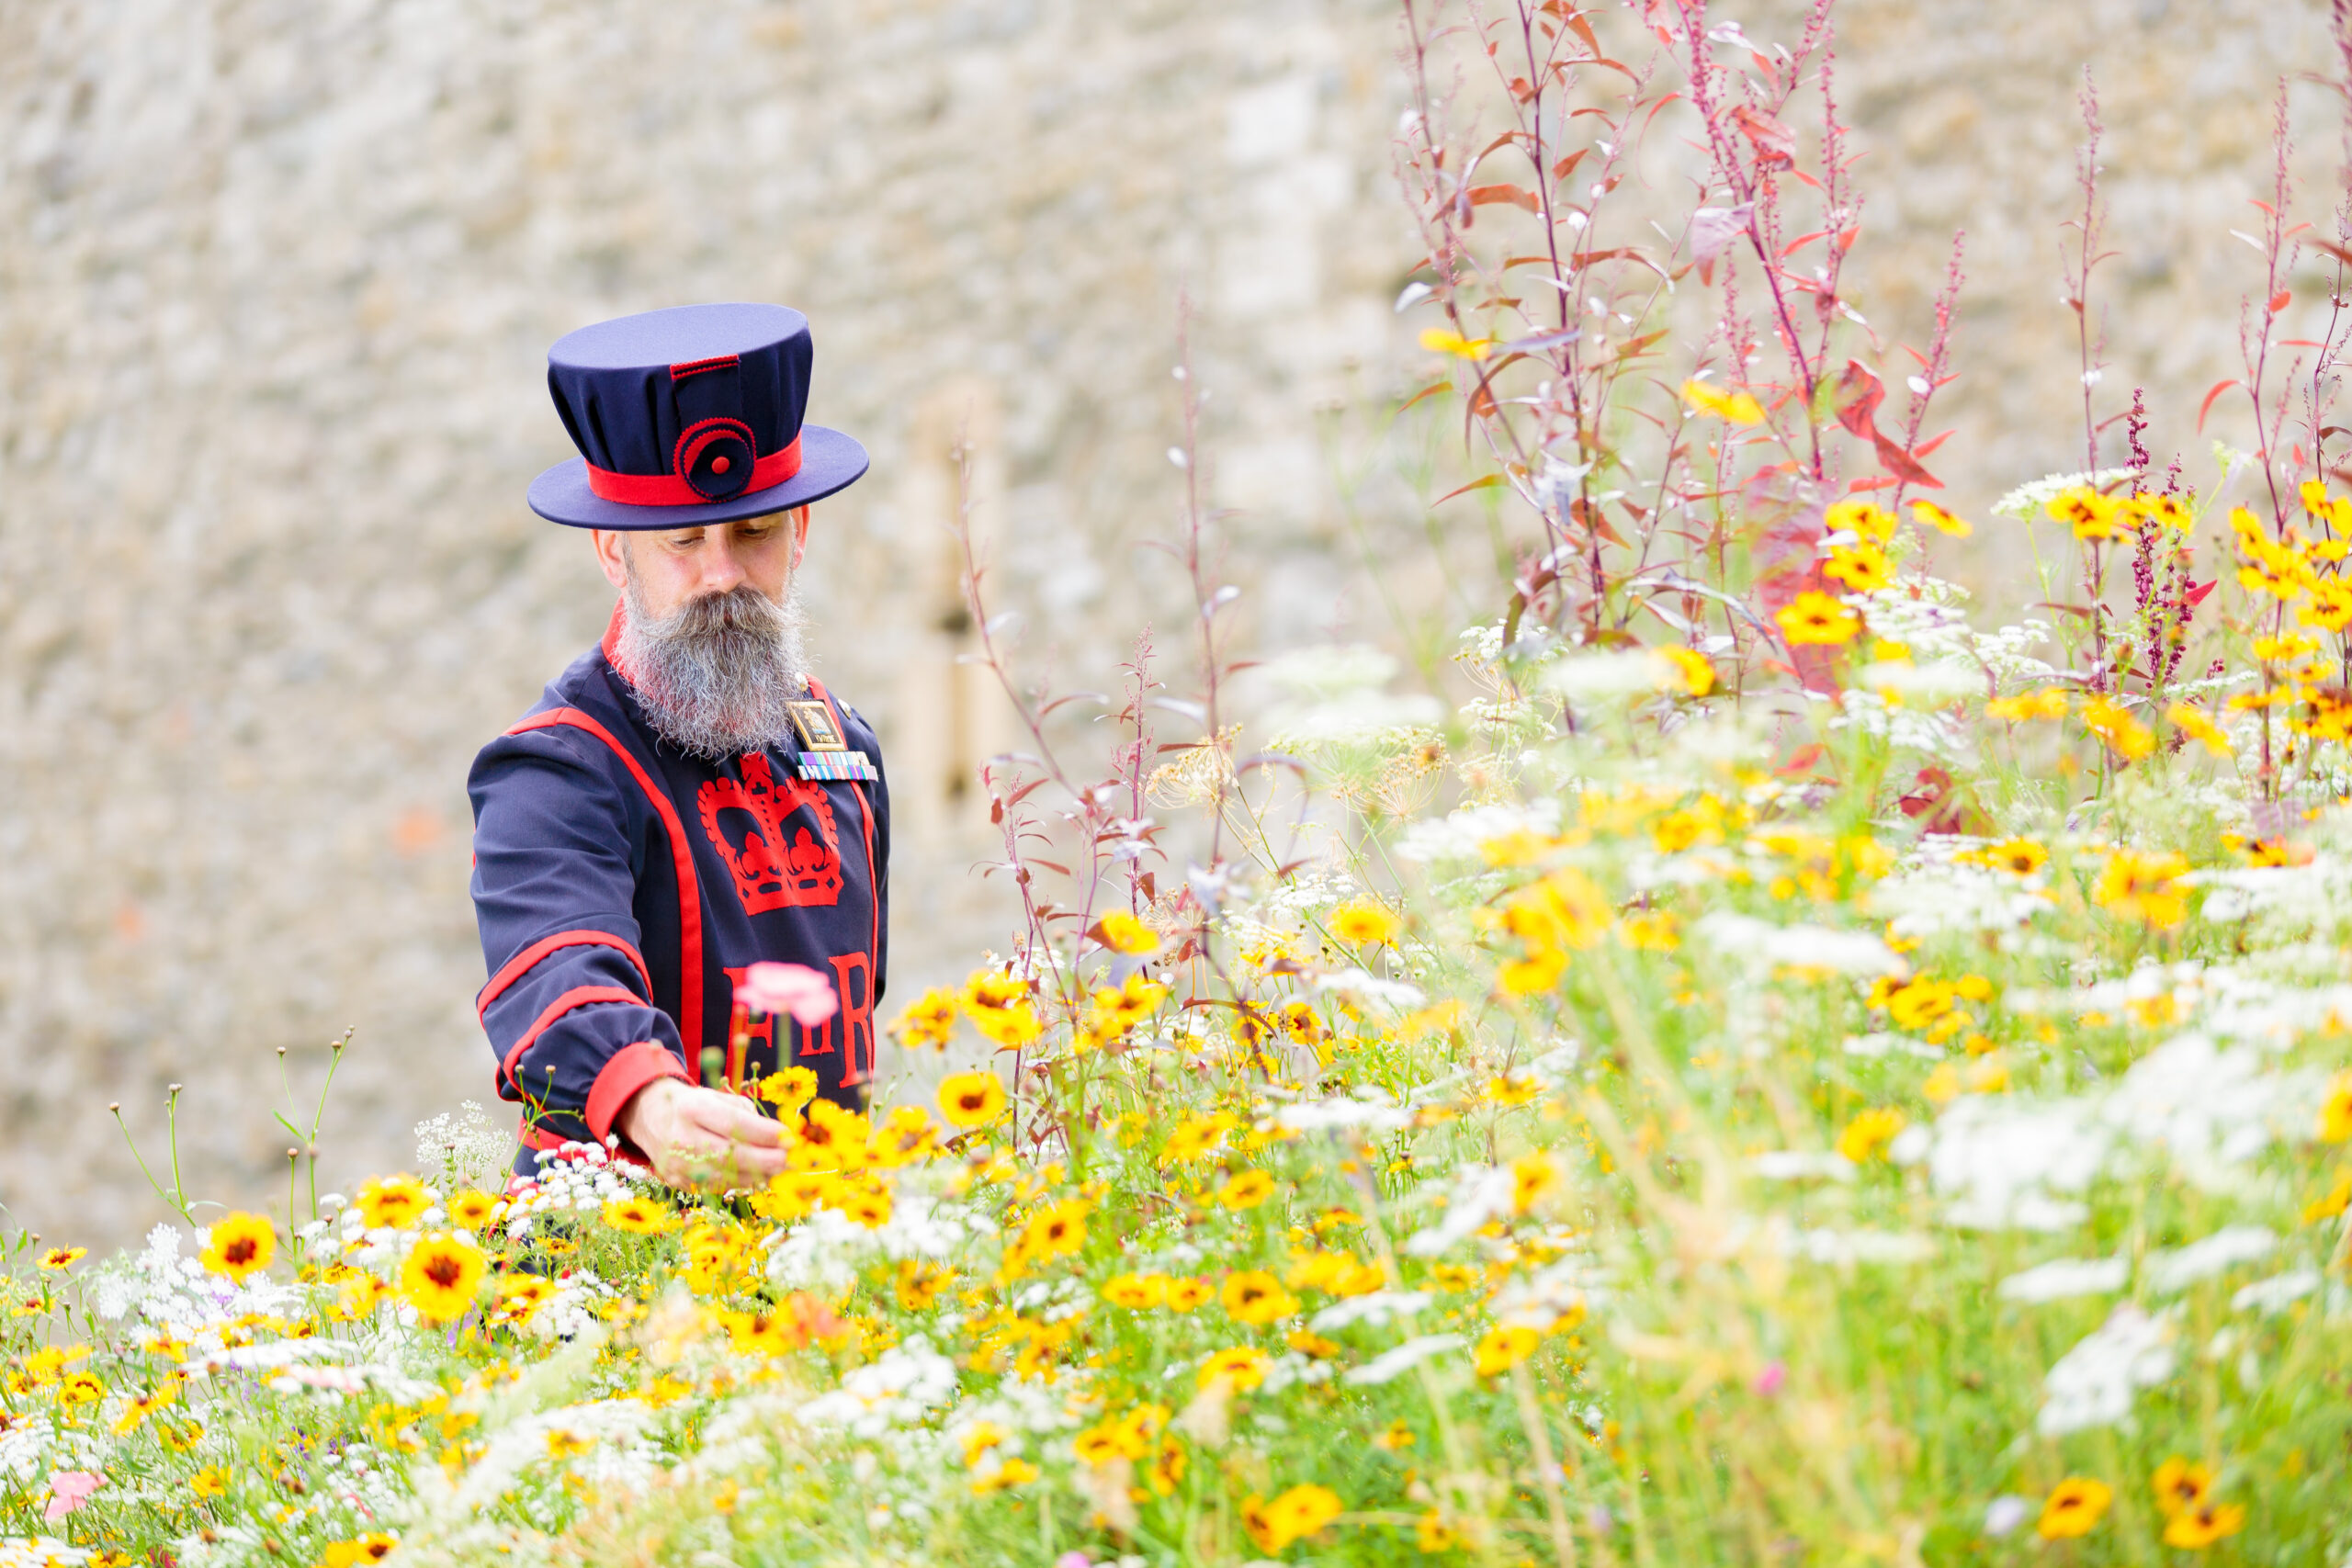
[{"x": 278, "y": 277}]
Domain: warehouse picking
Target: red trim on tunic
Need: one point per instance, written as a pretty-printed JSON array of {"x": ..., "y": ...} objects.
[
  {"x": 578, "y": 996},
  {"x": 522, "y": 962},
  {"x": 682, "y": 856},
  {"x": 631, "y": 1068},
  {"x": 850, "y": 1072}
]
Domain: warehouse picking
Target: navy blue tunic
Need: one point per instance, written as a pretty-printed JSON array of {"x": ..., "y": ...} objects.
[{"x": 622, "y": 887}]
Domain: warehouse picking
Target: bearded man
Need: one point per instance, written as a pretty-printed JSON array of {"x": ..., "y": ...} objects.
[{"x": 686, "y": 800}]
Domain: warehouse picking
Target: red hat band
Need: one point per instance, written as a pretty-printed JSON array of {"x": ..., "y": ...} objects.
[{"x": 713, "y": 461}]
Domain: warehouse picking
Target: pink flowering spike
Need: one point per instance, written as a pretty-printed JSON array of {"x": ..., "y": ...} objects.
[
  {"x": 68, "y": 1490},
  {"x": 792, "y": 988},
  {"x": 1767, "y": 1381}
]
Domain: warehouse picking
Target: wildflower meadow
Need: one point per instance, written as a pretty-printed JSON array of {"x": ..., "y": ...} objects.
[{"x": 1800, "y": 1068}]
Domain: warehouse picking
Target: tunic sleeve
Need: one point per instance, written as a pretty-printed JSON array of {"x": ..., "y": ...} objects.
[{"x": 569, "y": 1008}]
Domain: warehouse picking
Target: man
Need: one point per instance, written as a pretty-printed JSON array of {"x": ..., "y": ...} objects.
[{"x": 685, "y": 800}]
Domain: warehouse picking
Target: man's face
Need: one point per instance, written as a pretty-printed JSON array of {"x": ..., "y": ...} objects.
[{"x": 680, "y": 564}]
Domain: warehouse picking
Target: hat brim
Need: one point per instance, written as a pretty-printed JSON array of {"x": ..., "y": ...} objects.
[{"x": 830, "y": 461}]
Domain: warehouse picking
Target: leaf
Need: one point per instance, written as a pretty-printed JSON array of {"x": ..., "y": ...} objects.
[
  {"x": 1775, "y": 144},
  {"x": 2207, "y": 406},
  {"x": 1857, "y": 394},
  {"x": 1566, "y": 166},
  {"x": 1483, "y": 482},
  {"x": 1433, "y": 388},
  {"x": 2281, "y": 301},
  {"x": 1481, "y": 196},
  {"x": 1904, "y": 466},
  {"x": 1931, "y": 443},
  {"x": 1713, "y": 229}
]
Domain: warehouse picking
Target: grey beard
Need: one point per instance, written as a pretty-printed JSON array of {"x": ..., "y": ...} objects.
[{"x": 714, "y": 674}]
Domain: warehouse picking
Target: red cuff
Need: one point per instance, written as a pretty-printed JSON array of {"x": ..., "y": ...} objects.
[{"x": 631, "y": 1068}]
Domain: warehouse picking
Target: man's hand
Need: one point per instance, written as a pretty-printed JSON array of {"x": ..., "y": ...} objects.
[{"x": 701, "y": 1139}]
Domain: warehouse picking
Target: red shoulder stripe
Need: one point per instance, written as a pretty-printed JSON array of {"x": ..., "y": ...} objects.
[
  {"x": 579, "y": 997},
  {"x": 681, "y": 857},
  {"x": 523, "y": 962}
]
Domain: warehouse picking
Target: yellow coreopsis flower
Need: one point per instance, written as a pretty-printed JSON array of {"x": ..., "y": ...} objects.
[
  {"x": 1734, "y": 408},
  {"x": 970, "y": 1100},
  {"x": 1254, "y": 1296},
  {"x": 1296, "y": 1515},
  {"x": 2201, "y": 1525},
  {"x": 2047, "y": 702},
  {"x": 1814, "y": 619},
  {"x": 2145, "y": 887},
  {"x": 929, "y": 1020},
  {"x": 1870, "y": 1132},
  {"x": 1860, "y": 568},
  {"x": 1361, "y": 923},
  {"x": 393, "y": 1203},
  {"x": 1438, "y": 340},
  {"x": 1685, "y": 670},
  {"x": 2090, "y": 514},
  {"x": 1240, "y": 1368},
  {"x": 1928, "y": 514},
  {"x": 2191, "y": 721},
  {"x": 2113, "y": 723},
  {"x": 440, "y": 1276},
  {"x": 2075, "y": 1505},
  {"x": 2336, "y": 1110},
  {"x": 1503, "y": 1348},
  {"x": 2179, "y": 1485},
  {"x": 239, "y": 1243}
]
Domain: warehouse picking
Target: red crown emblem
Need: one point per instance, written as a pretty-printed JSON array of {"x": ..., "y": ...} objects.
[{"x": 771, "y": 872}]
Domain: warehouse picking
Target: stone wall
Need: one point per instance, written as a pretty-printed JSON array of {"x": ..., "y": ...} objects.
[{"x": 276, "y": 277}]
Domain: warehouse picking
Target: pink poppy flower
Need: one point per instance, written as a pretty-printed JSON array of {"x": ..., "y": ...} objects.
[
  {"x": 788, "y": 987},
  {"x": 68, "y": 1490}
]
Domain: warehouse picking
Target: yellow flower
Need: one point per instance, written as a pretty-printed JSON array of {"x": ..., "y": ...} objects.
[
  {"x": 473, "y": 1209},
  {"x": 1531, "y": 1177},
  {"x": 636, "y": 1213},
  {"x": 239, "y": 1243},
  {"x": 564, "y": 1443},
  {"x": 919, "y": 1283},
  {"x": 1437, "y": 340},
  {"x": 2336, "y": 1110},
  {"x": 979, "y": 1440},
  {"x": 1862, "y": 518},
  {"x": 2074, "y": 1506},
  {"x": 1246, "y": 1191},
  {"x": 998, "y": 1007},
  {"x": 372, "y": 1548},
  {"x": 1814, "y": 619},
  {"x": 1431, "y": 1534},
  {"x": 440, "y": 1275},
  {"x": 1195, "y": 1139},
  {"x": 867, "y": 1205},
  {"x": 2332, "y": 1202},
  {"x": 1929, "y": 515},
  {"x": 2179, "y": 1485},
  {"x": 210, "y": 1482},
  {"x": 970, "y": 1100},
  {"x": 2190, "y": 720},
  {"x": 1183, "y": 1296},
  {"x": 1014, "y": 1472},
  {"x": 1738, "y": 407},
  {"x": 2019, "y": 857},
  {"x": 2145, "y": 887},
  {"x": 795, "y": 1087},
  {"x": 1540, "y": 971},
  {"x": 1504, "y": 1346},
  {"x": 393, "y": 1201},
  {"x": 1135, "y": 1292},
  {"x": 2113, "y": 723},
  {"x": 1058, "y": 1231},
  {"x": 62, "y": 1256},
  {"x": 1870, "y": 1132},
  {"x": 1859, "y": 567},
  {"x": 1363, "y": 922},
  {"x": 2201, "y": 1525},
  {"x": 2090, "y": 514},
  {"x": 519, "y": 1296},
  {"x": 1296, "y": 1515},
  {"x": 136, "y": 1411},
  {"x": 1684, "y": 670},
  {"x": 929, "y": 1020},
  {"x": 1240, "y": 1368},
  {"x": 2048, "y": 702},
  {"x": 905, "y": 1135},
  {"x": 79, "y": 1388},
  {"x": 2171, "y": 511},
  {"x": 1254, "y": 1296},
  {"x": 1122, "y": 932}
]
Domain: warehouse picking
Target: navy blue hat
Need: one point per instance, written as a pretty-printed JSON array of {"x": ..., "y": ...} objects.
[{"x": 689, "y": 416}]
